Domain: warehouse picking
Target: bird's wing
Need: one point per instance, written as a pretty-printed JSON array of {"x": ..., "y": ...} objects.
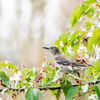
[{"x": 65, "y": 60}]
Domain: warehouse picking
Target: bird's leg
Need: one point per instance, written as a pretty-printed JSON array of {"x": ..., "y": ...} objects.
[
  {"x": 78, "y": 74},
  {"x": 83, "y": 75},
  {"x": 78, "y": 80},
  {"x": 75, "y": 71}
]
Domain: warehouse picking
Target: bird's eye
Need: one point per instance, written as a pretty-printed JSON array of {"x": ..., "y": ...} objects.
[{"x": 51, "y": 47}]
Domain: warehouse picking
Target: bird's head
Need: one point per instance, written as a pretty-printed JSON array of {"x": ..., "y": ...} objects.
[{"x": 54, "y": 50}]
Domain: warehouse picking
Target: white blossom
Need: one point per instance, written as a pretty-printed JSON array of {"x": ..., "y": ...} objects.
[
  {"x": 97, "y": 55},
  {"x": 25, "y": 81},
  {"x": 84, "y": 88},
  {"x": 94, "y": 15},
  {"x": 94, "y": 4},
  {"x": 32, "y": 78},
  {"x": 92, "y": 59},
  {"x": 61, "y": 44},
  {"x": 3, "y": 91},
  {"x": 31, "y": 83},
  {"x": 24, "y": 87},
  {"x": 43, "y": 64},
  {"x": 92, "y": 28},
  {"x": 82, "y": 49},
  {"x": 82, "y": 28},
  {"x": 86, "y": 56},
  {"x": 25, "y": 90},
  {"x": 6, "y": 69},
  {"x": 93, "y": 97},
  {"x": 11, "y": 78},
  {"x": 89, "y": 34},
  {"x": 80, "y": 19},
  {"x": 96, "y": 21},
  {"x": 95, "y": 78},
  {"x": 1, "y": 98},
  {"x": 16, "y": 76},
  {"x": 97, "y": 50},
  {"x": 6, "y": 62},
  {"x": 70, "y": 50}
]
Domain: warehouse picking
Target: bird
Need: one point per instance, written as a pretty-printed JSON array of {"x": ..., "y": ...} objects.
[{"x": 65, "y": 63}]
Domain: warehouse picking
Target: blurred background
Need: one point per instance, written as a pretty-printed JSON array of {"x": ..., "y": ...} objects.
[{"x": 28, "y": 25}]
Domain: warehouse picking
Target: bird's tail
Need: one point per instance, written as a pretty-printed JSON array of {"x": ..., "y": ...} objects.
[{"x": 78, "y": 64}]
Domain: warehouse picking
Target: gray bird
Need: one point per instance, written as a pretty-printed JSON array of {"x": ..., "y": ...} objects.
[{"x": 63, "y": 62}]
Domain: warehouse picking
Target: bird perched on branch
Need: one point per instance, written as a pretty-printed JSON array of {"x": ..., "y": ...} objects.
[{"x": 63, "y": 62}]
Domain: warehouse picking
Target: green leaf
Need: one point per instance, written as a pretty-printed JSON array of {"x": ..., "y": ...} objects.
[
  {"x": 95, "y": 39},
  {"x": 35, "y": 71},
  {"x": 25, "y": 72},
  {"x": 3, "y": 64},
  {"x": 77, "y": 13},
  {"x": 88, "y": 25},
  {"x": 74, "y": 35},
  {"x": 55, "y": 84},
  {"x": 97, "y": 66},
  {"x": 30, "y": 73},
  {"x": 58, "y": 94},
  {"x": 69, "y": 90},
  {"x": 23, "y": 84},
  {"x": 90, "y": 1},
  {"x": 62, "y": 37},
  {"x": 50, "y": 69},
  {"x": 12, "y": 66},
  {"x": 88, "y": 71},
  {"x": 44, "y": 81},
  {"x": 75, "y": 46},
  {"x": 29, "y": 94},
  {"x": 36, "y": 94},
  {"x": 4, "y": 78},
  {"x": 90, "y": 10},
  {"x": 65, "y": 86},
  {"x": 47, "y": 82},
  {"x": 97, "y": 88},
  {"x": 72, "y": 92}
]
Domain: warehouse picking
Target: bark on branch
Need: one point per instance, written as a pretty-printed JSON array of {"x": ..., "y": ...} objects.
[{"x": 50, "y": 88}]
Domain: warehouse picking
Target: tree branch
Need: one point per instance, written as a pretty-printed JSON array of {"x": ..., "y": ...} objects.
[{"x": 50, "y": 88}]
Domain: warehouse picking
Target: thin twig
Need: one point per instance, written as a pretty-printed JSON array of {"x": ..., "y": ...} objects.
[{"x": 50, "y": 88}]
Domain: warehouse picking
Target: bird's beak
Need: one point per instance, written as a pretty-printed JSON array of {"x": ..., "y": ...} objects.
[{"x": 46, "y": 48}]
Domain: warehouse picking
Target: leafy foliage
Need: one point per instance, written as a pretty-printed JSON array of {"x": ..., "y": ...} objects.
[
  {"x": 36, "y": 94},
  {"x": 4, "y": 64},
  {"x": 69, "y": 90},
  {"x": 77, "y": 13},
  {"x": 80, "y": 10},
  {"x": 4, "y": 78},
  {"x": 29, "y": 94},
  {"x": 95, "y": 39},
  {"x": 97, "y": 88},
  {"x": 82, "y": 44}
]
